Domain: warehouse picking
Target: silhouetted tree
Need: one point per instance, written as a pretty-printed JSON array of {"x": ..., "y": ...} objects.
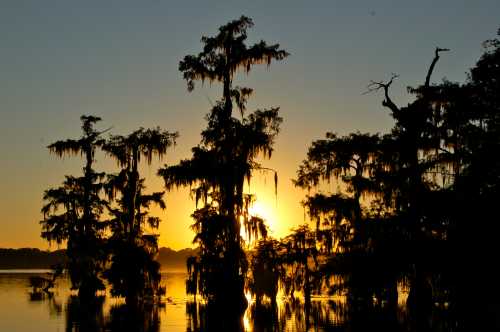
[
  {"x": 422, "y": 158},
  {"x": 266, "y": 270},
  {"x": 351, "y": 221},
  {"x": 224, "y": 159},
  {"x": 300, "y": 261},
  {"x": 472, "y": 118},
  {"x": 133, "y": 272},
  {"x": 447, "y": 178},
  {"x": 350, "y": 160},
  {"x": 381, "y": 223},
  {"x": 79, "y": 222}
]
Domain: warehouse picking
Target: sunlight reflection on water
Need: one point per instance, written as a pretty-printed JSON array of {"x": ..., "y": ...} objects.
[{"x": 20, "y": 310}]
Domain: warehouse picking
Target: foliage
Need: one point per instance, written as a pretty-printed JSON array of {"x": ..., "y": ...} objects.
[
  {"x": 407, "y": 202},
  {"x": 223, "y": 161},
  {"x": 266, "y": 270},
  {"x": 133, "y": 272},
  {"x": 79, "y": 222}
]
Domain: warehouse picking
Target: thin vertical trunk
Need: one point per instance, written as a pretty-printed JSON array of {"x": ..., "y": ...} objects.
[
  {"x": 133, "y": 179},
  {"x": 86, "y": 191},
  {"x": 228, "y": 106}
]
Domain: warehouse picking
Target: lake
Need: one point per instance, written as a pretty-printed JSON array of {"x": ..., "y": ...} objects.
[{"x": 23, "y": 311}]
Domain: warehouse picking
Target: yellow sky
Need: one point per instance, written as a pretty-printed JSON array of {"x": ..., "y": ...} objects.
[{"x": 281, "y": 212}]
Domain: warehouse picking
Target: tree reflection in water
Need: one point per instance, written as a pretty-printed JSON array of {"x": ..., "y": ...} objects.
[
  {"x": 90, "y": 317},
  {"x": 295, "y": 315},
  {"x": 54, "y": 305},
  {"x": 322, "y": 314},
  {"x": 85, "y": 316},
  {"x": 142, "y": 318},
  {"x": 208, "y": 317}
]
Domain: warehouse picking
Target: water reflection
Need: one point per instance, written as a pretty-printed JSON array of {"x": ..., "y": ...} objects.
[
  {"x": 60, "y": 310},
  {"x": 204, "y": 317},
  {"x": 143, "y": 318},
  {"x": 295, "y": 315},
  {"x": 24, "y": 308},
  {"x": 54, "y": 306},
  {"x": 84, "y": 316},
  {"x": 290, "y": 315},
  {"x": 263, "y": 318}
]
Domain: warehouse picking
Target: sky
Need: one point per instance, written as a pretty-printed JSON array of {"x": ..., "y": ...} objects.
[{"x": 119, "y": 60}]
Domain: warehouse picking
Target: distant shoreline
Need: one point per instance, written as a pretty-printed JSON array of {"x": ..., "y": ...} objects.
[
  {"x": 25, "y": 271},
  {"x": 25, "y": 259}
]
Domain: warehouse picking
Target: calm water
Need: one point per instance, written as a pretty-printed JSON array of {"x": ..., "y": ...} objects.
[{"x": 20, "y": 311}]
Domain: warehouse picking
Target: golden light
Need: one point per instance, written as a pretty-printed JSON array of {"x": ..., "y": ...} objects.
[{"x": 267, "y": 211}]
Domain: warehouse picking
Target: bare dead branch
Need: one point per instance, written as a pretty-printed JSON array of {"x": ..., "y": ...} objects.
[
  {"x": 377, "y": 85},
  {"x": 105, "y": 130},
  {"x": 433, "y": 64}
]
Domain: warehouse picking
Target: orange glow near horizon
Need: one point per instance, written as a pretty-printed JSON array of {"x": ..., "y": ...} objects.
[
  {"x": 267, "y": 211},
  {"x": 281, "y": 212}
]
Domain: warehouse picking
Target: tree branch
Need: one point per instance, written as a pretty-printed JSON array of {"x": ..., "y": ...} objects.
[
  {"x": 376, "y": 86},
  {"x": 433, "y": 64}
]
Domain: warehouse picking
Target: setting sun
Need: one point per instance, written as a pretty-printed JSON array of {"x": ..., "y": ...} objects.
[{"x": 267, "y": 211}]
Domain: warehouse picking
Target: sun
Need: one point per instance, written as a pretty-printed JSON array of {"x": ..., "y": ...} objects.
[{"x": 266, "y": 211}]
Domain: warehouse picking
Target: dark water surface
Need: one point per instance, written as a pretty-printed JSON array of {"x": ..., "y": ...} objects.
[{"x": 21, "y": 310}]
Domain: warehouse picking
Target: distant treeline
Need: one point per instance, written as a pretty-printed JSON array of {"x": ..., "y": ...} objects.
[
  {"x": 30, "y": 258},
  {"x": 173, "y": 260},
  {"x": 33, "y": 258}
]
